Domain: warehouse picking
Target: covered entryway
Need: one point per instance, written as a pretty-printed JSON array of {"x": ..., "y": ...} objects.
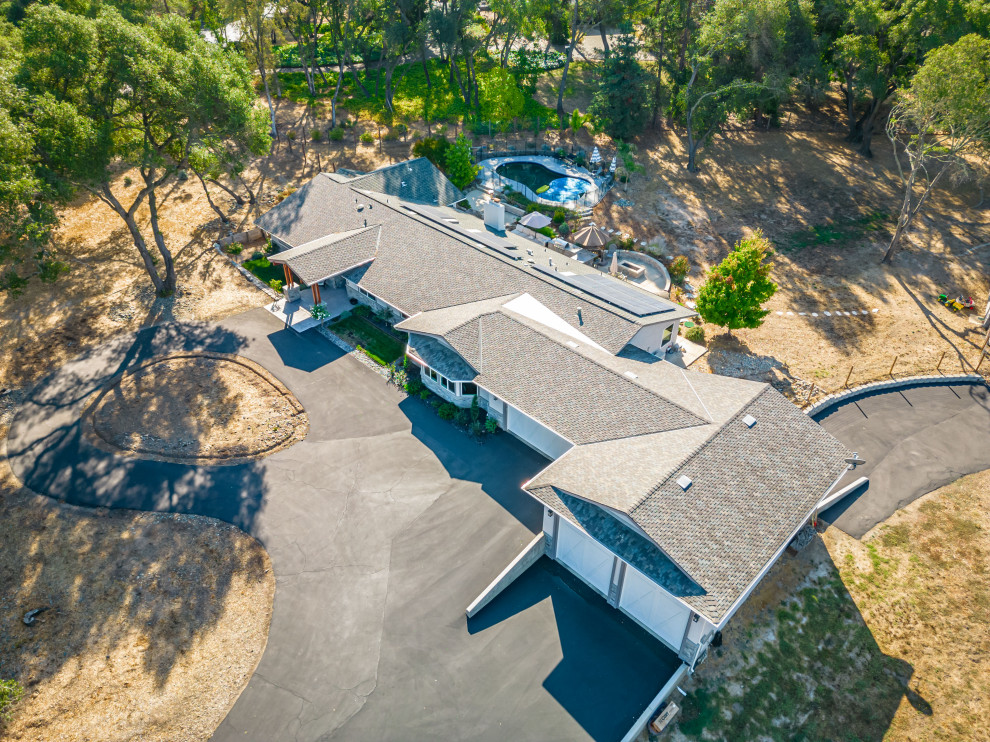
[
  {"x": 654, "y": 608},
  {"x": 588, "y": 559}
]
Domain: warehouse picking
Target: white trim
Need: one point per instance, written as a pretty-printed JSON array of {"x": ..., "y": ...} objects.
[
  {"x": 644, "y": 718},
  {"x": 272, "y": 259}
]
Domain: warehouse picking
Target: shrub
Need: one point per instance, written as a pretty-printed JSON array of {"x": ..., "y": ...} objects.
[
  {"x": 433, "y": 149},
  {"x": 546, "y": 232},
  {"x": 463, "y": 416},
  {"x": 257, "y": 255},
  {"x": 679, "y": 268},
  {"x": 564, "y": 229},
  {"x": 447, "y": 411},
  {"x": 491, "y": 425},
  {"x": 319, "y": 312},
  {"x": 532, "y": 206},
  {"x": 475, "y": 409},
  {"x": 695, "y": 334},
  {"x": 316, "y": 135},
  {"x": 424, "y": 393},
  {"x": 269, "y": 247},
  {"x": 367, "y": 138},
  {"x": 234, "y": 248},
  {"x": 336, "y": 134},
  {"x": 459, "y": 167},
  {"x": 10, "y": 693},
  {"x": 275, "y": 285},
  {"x": 477, "y": 428},
  {"x": 415, "y": 386},
  {"x": 290, "y": 135},
  {"x": 559, "y": 215}
]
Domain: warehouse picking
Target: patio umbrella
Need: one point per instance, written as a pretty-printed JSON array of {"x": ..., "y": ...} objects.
[
  {"x": 612, "y": 167},
  {"x": 535, "y": 220},
  {"x": 591, "y": 237},
  {"x": 614, "y": 268},
  {"x": 596, "y": 156}
]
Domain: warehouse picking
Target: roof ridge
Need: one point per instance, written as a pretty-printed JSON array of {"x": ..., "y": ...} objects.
[
  {"x": 464, "y": 240},
  {"x": 615, "y": 373},
  {"x": 655, "y": 488}
]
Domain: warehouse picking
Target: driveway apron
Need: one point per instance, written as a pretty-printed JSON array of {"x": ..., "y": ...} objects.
[{"x": 331, "y": 511}]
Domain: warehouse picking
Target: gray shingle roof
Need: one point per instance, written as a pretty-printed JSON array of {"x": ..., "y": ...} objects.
[
  {"x": 330, "y": 255},
  {"x": 317, "y": 209},
  {"x": 578, "y": 398},
  {"x": 750, "y": 489},
  {"x": 422, "y": 266},
  {"x": 414, "y": 180},
  {"x": 441, "y": 358}
]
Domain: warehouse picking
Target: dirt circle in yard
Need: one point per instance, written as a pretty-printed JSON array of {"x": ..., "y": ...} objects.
[{"x": 197, "y": 408}]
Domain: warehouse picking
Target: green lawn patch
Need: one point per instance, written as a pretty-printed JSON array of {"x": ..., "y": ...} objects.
[
  {"x": 264, "y": 270},
  {"x": 412, "y": 100},
  {"x": 378, "y": 345},
  {"x": 838, "y": 233}
]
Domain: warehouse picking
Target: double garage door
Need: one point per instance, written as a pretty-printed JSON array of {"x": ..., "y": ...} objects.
[
  {"x": 653, "y": 607},
  {"x": 641, "y": 598}
]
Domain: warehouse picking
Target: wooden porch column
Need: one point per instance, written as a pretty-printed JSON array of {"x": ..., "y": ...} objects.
[
  {"x": 316, "y": 293},
  {"x": 288, "y": 275}
]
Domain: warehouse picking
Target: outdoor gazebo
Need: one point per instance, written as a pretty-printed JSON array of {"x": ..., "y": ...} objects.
[{"x": 592, "y": 237}]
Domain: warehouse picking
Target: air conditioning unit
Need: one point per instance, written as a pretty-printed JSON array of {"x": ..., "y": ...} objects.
[{"x": 495, "y": 216}]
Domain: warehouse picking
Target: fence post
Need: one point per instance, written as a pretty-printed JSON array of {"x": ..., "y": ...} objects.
[
  {"x": 938, "y": 368},
  {"x": 891, "y": 372},
  {"x": 848, "y": 375},
  {"x": 810, "y": 392}
]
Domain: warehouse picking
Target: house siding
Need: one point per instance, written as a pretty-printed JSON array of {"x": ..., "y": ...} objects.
[{"x": 650, "y": 338}]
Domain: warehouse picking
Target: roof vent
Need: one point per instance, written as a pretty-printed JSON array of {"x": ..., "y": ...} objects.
[
  {"x": 750, "y": 421},
  {"x": 572, "y": 344},
  {"x": 630, "y": 374},
  {"x": 360, "y": 207},
  {"x": 684, "y": 481}
]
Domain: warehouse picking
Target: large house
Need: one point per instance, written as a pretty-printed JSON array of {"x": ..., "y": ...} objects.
[{"x": 670, "y": 492}]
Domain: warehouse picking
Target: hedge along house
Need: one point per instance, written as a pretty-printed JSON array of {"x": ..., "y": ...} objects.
[{"x": 669, "y": 492}]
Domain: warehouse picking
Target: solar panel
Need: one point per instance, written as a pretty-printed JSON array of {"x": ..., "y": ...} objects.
[{"x": 611, "y": 291}]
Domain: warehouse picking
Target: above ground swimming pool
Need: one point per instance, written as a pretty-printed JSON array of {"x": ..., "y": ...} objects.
[{"x": 534, "y": 176}]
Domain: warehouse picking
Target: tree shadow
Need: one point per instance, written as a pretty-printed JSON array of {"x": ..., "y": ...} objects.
[{"x": 49, "y": 451}]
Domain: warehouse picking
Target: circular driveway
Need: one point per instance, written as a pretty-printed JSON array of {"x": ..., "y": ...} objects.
[
  {"x": 382, "y": 526},
  {"x": 914, "y": 441}
]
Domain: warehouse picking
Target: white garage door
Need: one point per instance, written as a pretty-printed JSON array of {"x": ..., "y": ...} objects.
[
  {"x": 653, "y": 607},
  {"x": 539, "y": 437},
  {"x": 586, "y": 557}
]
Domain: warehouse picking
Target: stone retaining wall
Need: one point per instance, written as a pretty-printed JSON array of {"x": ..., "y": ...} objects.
[{"x": 833, "y": 400}]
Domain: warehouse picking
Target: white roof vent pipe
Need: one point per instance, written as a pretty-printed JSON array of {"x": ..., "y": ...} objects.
[
  {"x": 684, "y": 481},
  {"x": 495, "y": 216},
  {"x": 750, "y": 421}
]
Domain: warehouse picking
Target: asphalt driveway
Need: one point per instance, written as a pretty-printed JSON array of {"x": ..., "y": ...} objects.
[
  {"x": 382, "y": 526},
  {"x": 914, "y": 441}
]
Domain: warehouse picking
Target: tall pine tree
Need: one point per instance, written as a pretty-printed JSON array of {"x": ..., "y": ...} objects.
[{"x": 620, "y": 103}]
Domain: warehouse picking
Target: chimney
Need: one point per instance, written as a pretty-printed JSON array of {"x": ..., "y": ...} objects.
[{"x": 495, "y": 216}]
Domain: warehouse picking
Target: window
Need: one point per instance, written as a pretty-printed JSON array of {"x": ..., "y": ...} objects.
[
  {"x": 468, "y": 389},
  {"x": 430, "y": 372},
  {"x": 667, "y": 332},
  {"x": 446, "y": 383}
]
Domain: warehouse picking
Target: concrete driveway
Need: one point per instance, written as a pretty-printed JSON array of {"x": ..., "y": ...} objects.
[
  {"x": 382, "y": 526},
  {"x": 914, "y": 441}
]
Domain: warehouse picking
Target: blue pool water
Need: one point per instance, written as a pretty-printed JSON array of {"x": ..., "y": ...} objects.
[{"x": 535, "y": 176}]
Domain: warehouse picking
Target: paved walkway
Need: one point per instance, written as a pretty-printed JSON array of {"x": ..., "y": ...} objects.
[
  {"x": 914, "y": 441},
  {"x": 381, "y": 526}
]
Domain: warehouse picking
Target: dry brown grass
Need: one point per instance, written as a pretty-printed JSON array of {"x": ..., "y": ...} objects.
[
  {"x": 882, "y": 639},
  {"x": 153, "y": 622},
  {"x": 787, "y": 183},
  {"x": 922, "y": 582},
  {"x": 214, "y": 408}
]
